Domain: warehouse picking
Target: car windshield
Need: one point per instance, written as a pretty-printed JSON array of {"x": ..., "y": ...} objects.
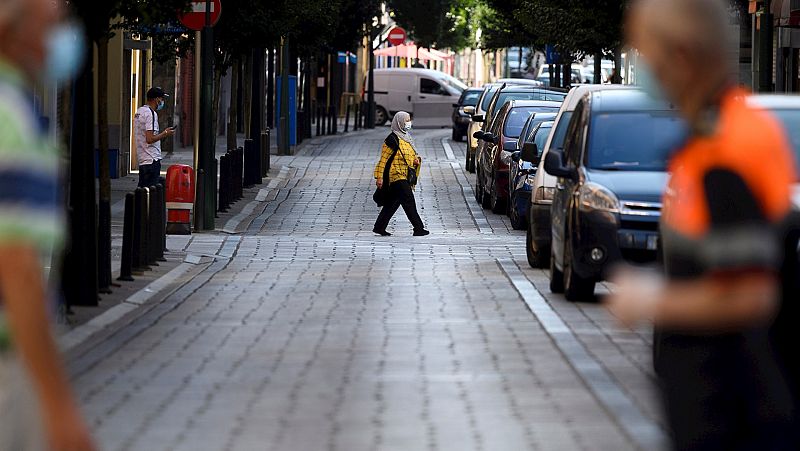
[
  {"x": 487, "y": 99},
  {"x": 560, "y": 132},
  {"x": 791, "y": 123},
  {"x": 540, "y": 137},
  {"x": 470, "y": 98},
  {"x": 455, "y": 83},
  {"x": 538, "y": 119},
  {"x": 517, "y": 117},
  {"x": 634, "y": 141}
]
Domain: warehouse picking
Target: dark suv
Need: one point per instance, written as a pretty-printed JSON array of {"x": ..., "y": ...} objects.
[{"x": 611, "y": 175}]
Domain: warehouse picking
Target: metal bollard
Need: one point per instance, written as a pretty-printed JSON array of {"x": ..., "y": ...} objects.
[
  {"x": 199, "y": 200},
  {"x": 320, "y": 125},
  {"x": 153, "y": 238},
  {"x": 355, "y": 116},
  {"x": 214, "y": 174},
  {"x": 222, "y": 202},
  {"x": 139, "y": 255},
  {"x": 335, "y": 114},
  {"x": 301, "y": 126},
  {"x": 265, "y": 152},
  {"x": 347, "y": 117},
  {"x": 239, "y": 173},
  {"x": 161, "y": 214},
  {"x": 126, "y": 263}
]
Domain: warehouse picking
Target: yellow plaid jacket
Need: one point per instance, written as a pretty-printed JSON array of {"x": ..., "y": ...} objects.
[{"x": 399, "y": 170}]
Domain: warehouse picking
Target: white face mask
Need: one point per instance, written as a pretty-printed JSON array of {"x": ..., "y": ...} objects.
[{"x": 408, "y": 126}]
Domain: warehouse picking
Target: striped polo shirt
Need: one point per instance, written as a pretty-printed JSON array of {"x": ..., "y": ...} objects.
[{"x": 31, "y": 207}]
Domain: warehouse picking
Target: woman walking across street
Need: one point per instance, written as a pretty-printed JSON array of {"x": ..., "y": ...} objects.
[{"x": 396, "y": 175}]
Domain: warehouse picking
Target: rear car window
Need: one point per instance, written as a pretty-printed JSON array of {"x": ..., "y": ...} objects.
[
  {"x": 791, "y": 124},
  {"x": 470, "y": 98},
  {"x": 518, "y": 116},
  {"x": 634, "y": 141}
]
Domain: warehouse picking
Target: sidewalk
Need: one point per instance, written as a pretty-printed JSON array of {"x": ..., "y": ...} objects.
[{"x": 298, "y": 329}]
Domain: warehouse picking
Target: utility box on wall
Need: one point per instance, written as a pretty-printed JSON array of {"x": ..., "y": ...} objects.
[{"x": 292, "y": 107}]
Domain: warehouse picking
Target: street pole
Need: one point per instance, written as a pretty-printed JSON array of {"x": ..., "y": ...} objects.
[
  {"x": 206, "y": 160},
  {"x": 765, "y": 51},
  {"x": 283, "y": 142},
  {"x": 371, "y": 84}
]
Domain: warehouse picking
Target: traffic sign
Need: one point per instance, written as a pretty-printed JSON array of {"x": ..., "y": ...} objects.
[
  {"x": 195, "y": 19},
  {"x": 397, "y": 36}
]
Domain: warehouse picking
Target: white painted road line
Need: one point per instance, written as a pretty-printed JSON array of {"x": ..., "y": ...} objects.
[
  {"x": 642, "y": 430},
  {"x": 448, "y": 150}
]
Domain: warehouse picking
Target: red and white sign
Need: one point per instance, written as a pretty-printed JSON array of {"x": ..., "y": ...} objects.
[
  {"x": 195, "y": 19},
  {"x": 397, "y": 36}
]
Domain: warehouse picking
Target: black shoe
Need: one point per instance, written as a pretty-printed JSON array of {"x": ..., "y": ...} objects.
[
  {"x": 421, "y": 232},
  {"x": 381, "y": 232}
]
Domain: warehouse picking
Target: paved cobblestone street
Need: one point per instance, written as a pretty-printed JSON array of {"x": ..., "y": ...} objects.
[{"x": 295, "y": 328}]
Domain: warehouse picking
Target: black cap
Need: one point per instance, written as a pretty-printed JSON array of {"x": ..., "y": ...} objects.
[{"x": 156, "y": 92}]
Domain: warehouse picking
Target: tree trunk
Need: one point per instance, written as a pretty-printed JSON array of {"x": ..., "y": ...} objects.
[
  {"x": 567, "y": 75},
  {"x": 552, "y": 74},
  {"x": 104, "y": 211},
  {"x": 248, "y": 91},
  {"x": 234, "y": 108},
  {"x": 598, "y": 67},
  {"x": 557, "y": 77},
  {"x": 617, "y": 78},
  {"x": 215, "y": 105}
]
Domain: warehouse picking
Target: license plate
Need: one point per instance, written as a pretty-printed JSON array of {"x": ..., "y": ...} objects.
[{"x": 652, "y": 242}]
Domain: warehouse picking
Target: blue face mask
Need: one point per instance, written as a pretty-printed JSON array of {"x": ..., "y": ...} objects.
[
  {"x": 65, "y": 52},
  {"x": 648, "y": 82},
  {"x": 160, "y": 105}
]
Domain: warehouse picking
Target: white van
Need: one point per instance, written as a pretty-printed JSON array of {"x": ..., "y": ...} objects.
[{"x": 426, "y": 93}]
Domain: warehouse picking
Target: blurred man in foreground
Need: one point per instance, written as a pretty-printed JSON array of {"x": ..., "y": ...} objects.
[
  {"x": 724, "y": 205},
  {"x": 33, "y": 44}
]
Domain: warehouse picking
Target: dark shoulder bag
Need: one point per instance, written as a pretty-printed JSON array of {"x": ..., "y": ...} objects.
[
  {"x": 412, "y": 171},
  {"x": 381, "y": 196}
]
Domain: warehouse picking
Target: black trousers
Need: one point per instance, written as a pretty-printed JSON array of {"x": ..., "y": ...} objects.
[
  {"x": 150, "y": 174},
  {"x": 400, "y": 194}
]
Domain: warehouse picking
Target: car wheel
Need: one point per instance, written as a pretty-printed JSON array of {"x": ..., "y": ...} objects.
[
  {"x": 466, "y": 163},
  {"x": 556, "y": 276},
  {"x": 486, "y": 199},
  {"x": 381, "y": 116},
  {"x": 517, "y": 221},
  {"x": 576, "y": 288},
  {"x": 536, "y": 258},
  {"x": 470, "y": 161},
  {"x": 456, "y": 134},
  {"x": 478, "y": 188},
  {"x": 497, "y": 205}
]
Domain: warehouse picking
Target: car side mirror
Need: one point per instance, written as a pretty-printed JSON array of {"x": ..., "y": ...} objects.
[
  {"x": 515, "y": 156},
  {"x": 530, "y": 152},
  {"x": 478, "y": 134},
  {"x": 554, "y": 165},
  {"x": 478, "y": 118},
  {"x": 510, "y": 146},
  {"x": 470, "y": 110},
  {"x": 489, "y": 137},
  {"x": 455, "y": 105}
]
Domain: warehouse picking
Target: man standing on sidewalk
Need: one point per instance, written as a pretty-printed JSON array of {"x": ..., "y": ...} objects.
[
  {"x": 724, "y": 209},
  {"x": 149, "y": 136},
  {"x": 37, "y": 408}
]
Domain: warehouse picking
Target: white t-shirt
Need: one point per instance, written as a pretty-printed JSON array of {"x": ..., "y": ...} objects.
[{"x": 144, "y": 120}]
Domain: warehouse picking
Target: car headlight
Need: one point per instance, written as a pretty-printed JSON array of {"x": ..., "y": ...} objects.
[
  {"x": 597, "y": 197},
  {"x": 544, "y": 195}
]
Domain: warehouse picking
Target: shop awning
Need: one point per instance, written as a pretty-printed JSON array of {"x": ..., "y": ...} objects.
[{"x": 408, "y": 51}]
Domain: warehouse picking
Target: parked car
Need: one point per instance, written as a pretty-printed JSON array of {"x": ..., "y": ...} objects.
[
  {"x": 503, "y": 94},
  {"x": 485, "y": 99},
  {"x": 544, "y": 185},
  {"x": 611, "y": 176},
  {"x": 492, "y": 169},
  {"x": 463, "y": 111},
  {"x": 786, "y": 109},
  {"x": 523, "y": 167},
  {"x": 427, "y": 94}
]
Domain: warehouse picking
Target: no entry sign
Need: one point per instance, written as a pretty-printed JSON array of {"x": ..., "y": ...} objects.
[
  {"x": 397, "y": 36},
  {"x": 195, "y": 19}
]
